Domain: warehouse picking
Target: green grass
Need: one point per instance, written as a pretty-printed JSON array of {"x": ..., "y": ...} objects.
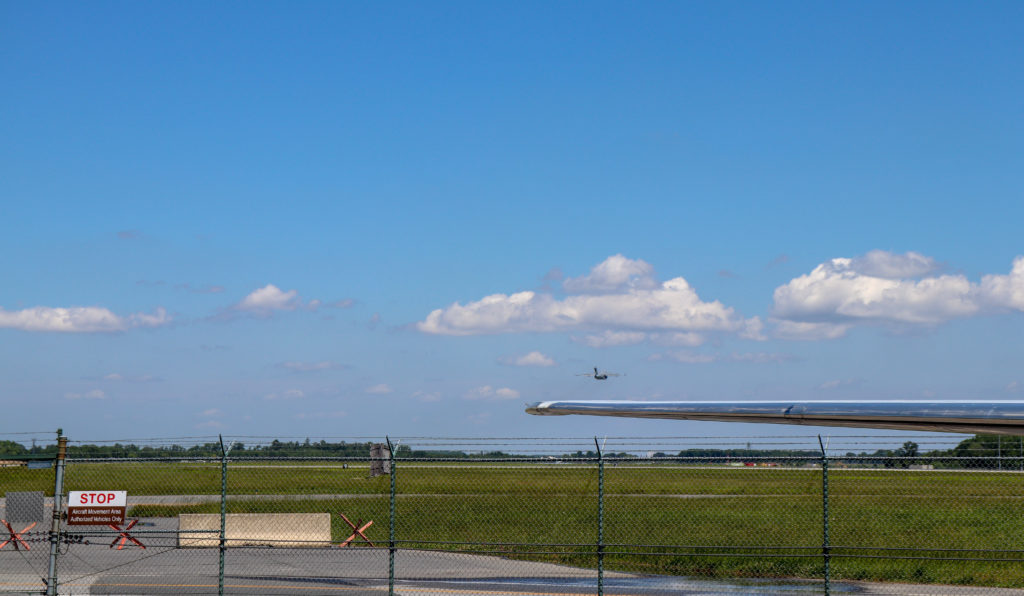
[{"x": 701, "y": 521}]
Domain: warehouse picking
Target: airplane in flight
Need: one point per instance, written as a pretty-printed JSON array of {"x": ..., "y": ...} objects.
[
  {"x": 988, "y": 417},
  {"x": 598, "y": 376}
]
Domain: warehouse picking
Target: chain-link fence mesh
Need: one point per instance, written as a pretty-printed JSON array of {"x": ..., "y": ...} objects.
[{"x": 868, "y": 515}]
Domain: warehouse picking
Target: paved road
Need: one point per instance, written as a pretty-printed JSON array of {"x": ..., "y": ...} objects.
[{"x": 92, "y": 567}]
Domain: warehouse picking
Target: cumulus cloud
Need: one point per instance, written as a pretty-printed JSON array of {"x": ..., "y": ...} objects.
[
  {"x": 379, "y": 389},
  {"x": 836, "y": 291},
  {"x": 614, "y": 274},
  {"x": 488, "y": 392},
  {"x": 79, "y": 319},
  {"x": 534, "y": 358},
  {"x": 886, "y": 288},
  {"x": 632, "y": 301},
  {"x": 887, "y": 265},
  {"x": 265, "y": 300},
  {"x": 1005, "y": 291}
]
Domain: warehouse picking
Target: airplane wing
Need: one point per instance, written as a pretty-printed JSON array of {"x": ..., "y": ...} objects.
[{"x": 990, "y": 417}]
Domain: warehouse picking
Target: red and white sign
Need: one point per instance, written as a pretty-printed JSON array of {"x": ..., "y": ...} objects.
[
  {"x": 97, "y": 507},
  {"x": 102, "y": 498}
]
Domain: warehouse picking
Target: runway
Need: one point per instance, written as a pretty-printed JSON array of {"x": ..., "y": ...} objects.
[{"x": 162, "y": 569}]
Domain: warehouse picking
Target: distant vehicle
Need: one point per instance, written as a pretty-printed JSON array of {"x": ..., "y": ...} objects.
[{"x": 598, "y": 376}]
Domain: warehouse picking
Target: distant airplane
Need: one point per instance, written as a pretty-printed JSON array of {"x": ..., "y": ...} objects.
[
  {"x": 988, "y": 417},
  {"x": 598, "y": 376}
]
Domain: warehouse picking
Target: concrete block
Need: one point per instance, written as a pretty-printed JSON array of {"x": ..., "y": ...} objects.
[{"x": 282, "y": 530}]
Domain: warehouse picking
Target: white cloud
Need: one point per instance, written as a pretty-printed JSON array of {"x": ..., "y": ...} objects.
[
  {"x": 79, "y": 319},
  {"x": 882, "y": 288},
  {"x": 671, "y": 306},
  {"x": 614, "y": 274},
  {"x": 265, "y": 300},
  {"x": 1013, "y": 387},
  {"x": 839, "y": 293},
  {"x": 114, "y": 377},
  {"x": 1005, "y": 291},
  {"x": 887, "y": 265},
  {"x": 94, "y": 394},
  {"x": 379, "y": 389},
  {"x": 211, "y": 412},
  {"x": 488, "y": 392},
  {"x": 534, "y": 358}
]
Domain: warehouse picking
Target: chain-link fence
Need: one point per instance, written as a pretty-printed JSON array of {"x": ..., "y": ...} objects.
[{"x": 774, "y": 515}]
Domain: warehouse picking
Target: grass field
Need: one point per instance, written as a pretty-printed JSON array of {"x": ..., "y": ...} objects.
[{"x": 710, "y": 521}]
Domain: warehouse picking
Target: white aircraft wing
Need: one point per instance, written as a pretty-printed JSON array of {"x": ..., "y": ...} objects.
[{"x": 991, "y": 417}]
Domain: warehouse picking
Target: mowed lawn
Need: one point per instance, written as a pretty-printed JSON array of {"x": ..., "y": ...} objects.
[{"x": 704, "y": 520}]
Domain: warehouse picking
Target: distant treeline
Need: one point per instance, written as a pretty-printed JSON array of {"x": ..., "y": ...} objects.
[
  {"x": 206, "y": 450},
  {"x": 979, "y": 451}
]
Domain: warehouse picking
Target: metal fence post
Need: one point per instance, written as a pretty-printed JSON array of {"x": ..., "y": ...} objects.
[
  {"x": 391, "y": 522},
  {"x": 600, "y": 519},
  {"x": 58, "y": 493},
  {"x": 223, "y": 514},
  {"x": 825, "y": 548}
]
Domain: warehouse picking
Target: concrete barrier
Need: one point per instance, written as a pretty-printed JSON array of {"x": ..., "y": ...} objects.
[{"x": 202, "y": 530}]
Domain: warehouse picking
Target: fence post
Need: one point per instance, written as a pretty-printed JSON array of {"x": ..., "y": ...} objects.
[
  {"x": 58, "y": 494},
  {"x": 825, "y": 548},
  {"x": 223, "y": 514},
  {"x": 600, "y": 519},
  {"x": 391, "y": 522}
]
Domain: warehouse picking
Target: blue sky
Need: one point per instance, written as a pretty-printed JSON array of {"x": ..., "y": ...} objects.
[{"x": 412, "y": 218}]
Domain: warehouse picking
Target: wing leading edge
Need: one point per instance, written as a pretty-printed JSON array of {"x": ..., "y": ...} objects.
[{"x": 990, "y": 417}]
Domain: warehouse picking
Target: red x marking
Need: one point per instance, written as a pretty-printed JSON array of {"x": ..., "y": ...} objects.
[
  {"x": 124, "y": 535},
  {"x": 357, "y": 530},
  {"x": 15, "y": 537}
]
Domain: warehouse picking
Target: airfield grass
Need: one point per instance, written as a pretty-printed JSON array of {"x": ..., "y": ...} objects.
[{"x": 706, "y": 521}]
